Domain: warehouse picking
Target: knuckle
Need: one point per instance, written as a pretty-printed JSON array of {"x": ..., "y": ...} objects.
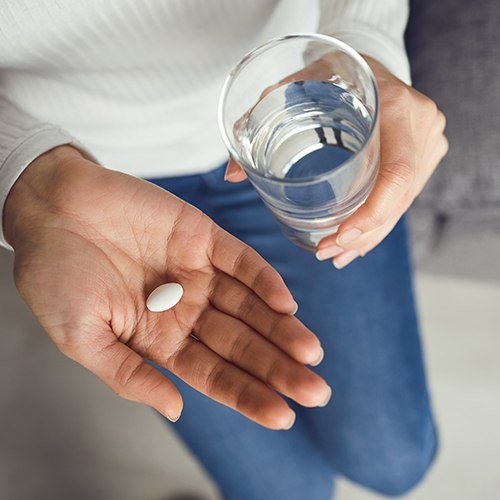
[
  {"x": 262, "y": 277},
  {"x": 238, "y": 262},
  {"x": 441, "y": 120},
  {"x": 396, "y": 93},
  {"x": 245, "y": 401},
  {"x": 272, "y": 375},
  {"x": 396, "y": 100},
  {"x": 429, "y": 106},
  {"x": 240, "y": 345},
  {"x": 276, "y": 327},
  {"x": 153, "y": 388},
  {"x": 246, "y": 306},
  {"x": 398, "y": 174},
  {"x": 376, "y": 217},
  {"x": 128, "y": 374},
  {"x": 214, "y": 379},
  {"x": 127, "y": 371},
  {"x": 203, "y": 323}
]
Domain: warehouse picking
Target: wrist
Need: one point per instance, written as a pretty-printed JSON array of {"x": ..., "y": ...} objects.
[
  {"x": 382, "y": 74},
  {"x": 32, "y": 194}
]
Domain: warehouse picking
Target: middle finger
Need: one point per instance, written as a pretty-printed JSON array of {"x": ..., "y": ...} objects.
[
  {"x": 239, "y": 344},
  {"x": 285, "y": 331}
]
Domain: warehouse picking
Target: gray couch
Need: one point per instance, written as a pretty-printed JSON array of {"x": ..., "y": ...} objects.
[{"x": 453, "y": 48}]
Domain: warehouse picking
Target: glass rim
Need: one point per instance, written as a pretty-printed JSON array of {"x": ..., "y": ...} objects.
[{"x": 251, "y": 55}]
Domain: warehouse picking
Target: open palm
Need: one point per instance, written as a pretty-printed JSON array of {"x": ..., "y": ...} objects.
[{"x": 99, "y": 242}]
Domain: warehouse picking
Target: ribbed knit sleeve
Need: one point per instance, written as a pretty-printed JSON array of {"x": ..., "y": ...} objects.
[
  {"x": 22, "y": 139},
  {"x": 373, "y": 27}
]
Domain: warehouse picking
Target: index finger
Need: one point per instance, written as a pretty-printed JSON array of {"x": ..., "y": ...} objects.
[{"x": 233, "y": 257}]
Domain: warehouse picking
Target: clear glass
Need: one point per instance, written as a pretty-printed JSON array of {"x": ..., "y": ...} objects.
[{"x": 300, "y": 115}]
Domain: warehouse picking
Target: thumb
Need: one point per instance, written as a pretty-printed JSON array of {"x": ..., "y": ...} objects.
[
  {"x": 234, "y": 172},
  {"x": 127, "y": 373}
]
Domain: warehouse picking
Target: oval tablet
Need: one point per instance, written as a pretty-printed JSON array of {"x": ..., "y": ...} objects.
[{"x": 164, "y": 297}]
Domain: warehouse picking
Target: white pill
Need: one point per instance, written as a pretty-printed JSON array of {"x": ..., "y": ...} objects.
[{"x": 164, "y": 297}]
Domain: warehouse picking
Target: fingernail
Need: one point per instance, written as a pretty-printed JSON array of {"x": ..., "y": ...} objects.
[
  {"x": 296, "y": 308},
  {"x": 327, "y": 399},
  {"x": 228, "y": 175},
  {"x": 175, "y": 418},
  {"x": 290, "y": 424},
  {"x": 345, "y": 258},
  {"x": 348, "y": 236},
  {"x": 320, "y": 358},
  {"x": 329, "y": 252}
]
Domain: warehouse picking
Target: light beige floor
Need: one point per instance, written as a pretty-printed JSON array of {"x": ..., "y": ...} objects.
[{"x": 64, "y": 435}]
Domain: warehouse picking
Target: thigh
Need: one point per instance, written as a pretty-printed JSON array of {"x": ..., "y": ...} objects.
[
  {"x": 246, "y": 461},
  {"x": 378, "y": 429}
]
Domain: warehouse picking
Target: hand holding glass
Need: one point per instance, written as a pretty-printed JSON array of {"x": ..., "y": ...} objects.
[{"x": 300, "y": 115}]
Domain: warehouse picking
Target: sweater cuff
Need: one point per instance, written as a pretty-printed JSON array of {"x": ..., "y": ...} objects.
[
  {"x": 372, "y": 43},
  {"x": 21, "y": 154}
]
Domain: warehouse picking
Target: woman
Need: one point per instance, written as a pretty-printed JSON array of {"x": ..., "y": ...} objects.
[{"x": 132, "y": 86}]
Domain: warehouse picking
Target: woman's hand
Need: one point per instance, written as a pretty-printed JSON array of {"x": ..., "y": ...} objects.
[
  {"x": 412, "y": 145},
  {"x": 91, "y": 244}
]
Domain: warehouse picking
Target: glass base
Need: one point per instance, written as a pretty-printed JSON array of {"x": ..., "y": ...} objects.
[
  {"x": 307, "y": 239},
  {"x": 306, "y": 233}
]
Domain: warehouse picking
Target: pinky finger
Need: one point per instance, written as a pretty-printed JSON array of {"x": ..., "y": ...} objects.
[
  {"x": 342, "y": 257},
  {"x": 128, "y": 375}
]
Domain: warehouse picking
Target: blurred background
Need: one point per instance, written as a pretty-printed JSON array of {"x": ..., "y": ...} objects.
[{"x": 65, "y": 435}]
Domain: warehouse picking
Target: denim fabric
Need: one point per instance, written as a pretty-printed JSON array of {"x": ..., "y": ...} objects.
[{"x": 378, "y": 429}]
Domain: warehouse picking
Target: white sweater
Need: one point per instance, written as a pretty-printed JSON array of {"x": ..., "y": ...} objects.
[{"x": 136, "y": 82}]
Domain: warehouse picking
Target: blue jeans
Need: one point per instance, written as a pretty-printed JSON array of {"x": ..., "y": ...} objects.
[{"x": 378, "y": 428}]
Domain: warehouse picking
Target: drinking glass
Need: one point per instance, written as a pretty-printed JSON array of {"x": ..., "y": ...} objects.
[{"x": 300, "y": 115}]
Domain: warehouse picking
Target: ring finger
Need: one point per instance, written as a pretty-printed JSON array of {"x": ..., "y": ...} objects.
[{"x": 239, "y": 344}]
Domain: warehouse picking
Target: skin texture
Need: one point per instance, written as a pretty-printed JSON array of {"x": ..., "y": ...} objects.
[
  {"x": 91, "y": 244},
  {"x": 412, "y": 145}
]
